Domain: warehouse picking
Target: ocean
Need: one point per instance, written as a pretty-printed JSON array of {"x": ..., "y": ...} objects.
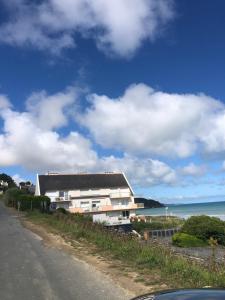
[{"x": 215, "y": 209}]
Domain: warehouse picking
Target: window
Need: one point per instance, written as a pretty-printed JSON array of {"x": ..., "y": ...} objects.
[
  {"x": 124, "y": 202},
  {"x": 95, "y": 203},
  {"x": 61, "y": 193},
  {"x": 84, "y": 204},
  {"x": 126, "y": 213}
]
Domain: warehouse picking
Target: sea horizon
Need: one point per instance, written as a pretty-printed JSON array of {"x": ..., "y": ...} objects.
[{"x": 186, "y": 210}]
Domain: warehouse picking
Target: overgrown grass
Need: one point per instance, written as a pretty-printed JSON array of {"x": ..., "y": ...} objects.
[
  {"x": 158, "y": 223},
  {"x": 185, "y": 240},
  {"x": 173, "y": 270}
]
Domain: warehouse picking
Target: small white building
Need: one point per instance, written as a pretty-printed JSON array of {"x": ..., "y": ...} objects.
[
  {"x": 106, "y": 196},
  {"x": 3, "y": 185}
]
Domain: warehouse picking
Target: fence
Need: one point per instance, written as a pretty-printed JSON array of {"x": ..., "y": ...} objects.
[{"x": 161, "y": 233}]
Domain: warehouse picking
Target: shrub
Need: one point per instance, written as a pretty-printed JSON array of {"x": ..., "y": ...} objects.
[
  {"x": 142, "y": 226},
  {"x": 19, "y": 199},
  {"x": 186, "y": 240},
  {"x": 61, "y": 210},
  {"x": 204, "y": 227},
  {"x": 29, "y": 202},
  {"x": 11, "y": 195},
  {"x": 155, "y": 259}
]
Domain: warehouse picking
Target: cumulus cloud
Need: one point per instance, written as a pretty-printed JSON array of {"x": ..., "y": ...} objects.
[
  {"x": 30, "y": 139},
  {"x": 50, "y": 111},
  {"x": 142, "y": 172},
  {"x": 17, "y": 178},
  {"x": 24, "y": 143},
  {"x": 146, "y": 121},
  {"x": 193, "y": 170},
  {"x": 143, "y": 123},
  {"x": 118, "y": 27},
  {"x": 4, "y": 102}
]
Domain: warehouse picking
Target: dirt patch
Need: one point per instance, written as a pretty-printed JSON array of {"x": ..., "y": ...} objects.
[{"x": 135, "y": 282}]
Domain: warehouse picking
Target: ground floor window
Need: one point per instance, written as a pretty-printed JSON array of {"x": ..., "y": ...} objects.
[{"x": 126, "y": 213}]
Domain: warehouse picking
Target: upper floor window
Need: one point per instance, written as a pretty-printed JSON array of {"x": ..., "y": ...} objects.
[{"x": 61, "y": 193}]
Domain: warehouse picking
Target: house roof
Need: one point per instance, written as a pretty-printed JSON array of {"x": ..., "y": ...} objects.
[{"x": 81, "y": 181}]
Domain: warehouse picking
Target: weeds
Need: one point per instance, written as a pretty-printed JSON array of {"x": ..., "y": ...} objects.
[{"x": 175, "y": 271}]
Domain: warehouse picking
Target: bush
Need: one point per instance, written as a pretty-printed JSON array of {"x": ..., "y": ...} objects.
[
  {"x": 142, "y": 226},
  {"x": 171, "y": 269},
  {"x": 186, "y": 240},
  {"x": 204, "y": 227},
  {"x": 62, "y": 210},
  {"x": 29, "y": 202},
  {"x": 11, "y": 195},
  {"x": 14, "y": 197}
]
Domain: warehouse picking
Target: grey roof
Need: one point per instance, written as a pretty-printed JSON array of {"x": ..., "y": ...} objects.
[{"x": 81, "y": 181}]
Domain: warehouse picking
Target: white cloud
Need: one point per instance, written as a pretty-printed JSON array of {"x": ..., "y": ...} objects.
[
  {"x": 142, "y": 172},
  {"x": 4, "y": 102},
  {"x": 146, "y": 121},
  {"x": 118, "y": 27},
  {"x": 24, "y": 143},
  {"x": 145, "y": 124},
  {"x": 49, "y": 111},
  {"x": 17, "y": 178},
  {"x": 193, "y": 170},
  {"x": 29, "y": 139}
]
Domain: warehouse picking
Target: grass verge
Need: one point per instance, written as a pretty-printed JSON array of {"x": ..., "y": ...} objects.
[{"x": 148, "y": 259}]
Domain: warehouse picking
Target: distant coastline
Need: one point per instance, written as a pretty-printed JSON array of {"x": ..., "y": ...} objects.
[{"x": 148, "y": 203}]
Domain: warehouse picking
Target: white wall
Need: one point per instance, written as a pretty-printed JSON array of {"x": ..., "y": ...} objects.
[
  {"x": 112, "y": 197},
  {"x": 52, "y": 195},
  {"x": 100, "y": 218},
  {"x": 111, "y": 218}
]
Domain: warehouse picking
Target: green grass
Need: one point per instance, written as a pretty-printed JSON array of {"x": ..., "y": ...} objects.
[
  {"x": 185, "y": 240},
  {"x": 154, "y": 223},
  {"x": 149, "y": 259}
]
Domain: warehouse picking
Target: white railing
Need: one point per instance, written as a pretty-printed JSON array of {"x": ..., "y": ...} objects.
[
  {"x": 117, "y": 221},
  {"x": 120, "y": 206},
  {"x": 120, "y": 195}
]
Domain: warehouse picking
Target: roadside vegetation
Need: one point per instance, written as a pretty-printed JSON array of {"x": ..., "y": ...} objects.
[
  {"x": 173, "y": 270},
  {"x": 185, "y": 240},
  {"x": 157, "y": 223},
  {"x": 148, "y": 259},
  {"x": 23, "y": 201},
  {"x": 205, "y": 227},
  {"x": 198, "y": 231}
]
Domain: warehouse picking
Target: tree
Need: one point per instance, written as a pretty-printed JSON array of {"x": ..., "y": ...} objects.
[
  {"x": 205, "y": 227},
  {"x": 8, "y": 179}
]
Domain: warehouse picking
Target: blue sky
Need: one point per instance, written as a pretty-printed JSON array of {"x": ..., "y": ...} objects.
[{"x": 134, "y": 86}]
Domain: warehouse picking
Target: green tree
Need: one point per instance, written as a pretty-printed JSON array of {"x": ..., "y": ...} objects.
[
  {"x": 11, "y": 196},
  {"x": 8, "y": 179},
  {"x": 205, "y": 227}
]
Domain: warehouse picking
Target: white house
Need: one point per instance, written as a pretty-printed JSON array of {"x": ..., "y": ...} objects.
[
  {"x": 3, "y": 185},
  {"x": 106, "y": 196}
]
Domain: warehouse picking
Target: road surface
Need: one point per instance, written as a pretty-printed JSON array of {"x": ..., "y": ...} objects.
[{"x": 29, "y": 270}]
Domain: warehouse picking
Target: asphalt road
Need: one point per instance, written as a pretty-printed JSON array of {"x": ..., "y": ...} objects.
[{"x": 29, "y": 270}]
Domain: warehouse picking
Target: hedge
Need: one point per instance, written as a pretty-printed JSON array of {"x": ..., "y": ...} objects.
[
  {"x": 29, "y": 202},
  {"x": 205, "y": 227},
  {"x": 14, "y": 197},
  {"x": 11, "y": 195},
  {"x": 186, "y": 240}
]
